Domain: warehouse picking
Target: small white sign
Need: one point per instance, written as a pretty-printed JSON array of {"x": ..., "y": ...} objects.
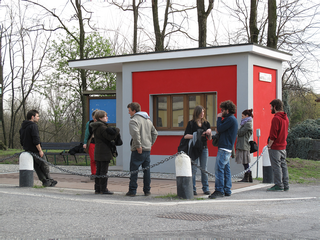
[{"x": 265, "y": 77}]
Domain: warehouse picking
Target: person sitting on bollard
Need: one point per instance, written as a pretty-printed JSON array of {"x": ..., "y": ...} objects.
[
  {"x": 243, "y": 146},
  {"x": 199, "y": 122},
  {"x": 102, "y": 152},
  {"x": 30, "y": 141}
]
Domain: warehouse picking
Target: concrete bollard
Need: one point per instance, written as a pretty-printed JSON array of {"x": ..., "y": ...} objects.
[
  {"x": 25, "y": 170},
  {"x": 267, "y": 169},
  {"x": 184, "y": 176}
]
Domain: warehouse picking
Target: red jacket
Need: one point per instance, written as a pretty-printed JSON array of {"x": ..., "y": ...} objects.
[{"x": 279, "y": 131}]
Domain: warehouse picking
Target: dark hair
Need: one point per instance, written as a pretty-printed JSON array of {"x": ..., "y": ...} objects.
[
  {"x": 277, "y": 104},
  {"x": 134, "y": 106},
  {"x": 248, "y": 112},
  {"x": 197, "y": 111},
  {"x": 99, "y": 114},
  {"x": 94, "y": 112},
  {"x": 228, "y": 105},
  {"x": 32, "y": 113}
]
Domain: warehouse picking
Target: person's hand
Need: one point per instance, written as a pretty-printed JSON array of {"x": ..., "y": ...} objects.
[
  {"x": 139, "y": 150},
  {"x": 41, "y": 153},
  {"x": 219, "y": 115},
  {"x": 208, "y": 132},
  {"x": 84, "y": 146}
]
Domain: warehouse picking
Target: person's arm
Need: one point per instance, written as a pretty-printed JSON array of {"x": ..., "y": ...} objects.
[
  {"x": 188, "y": 134},
  {"x": 39, "y": 150},
  {"x": 270, "y": 143},
  {"x": 135, "y": 134},
  {"x": 86, "y": 135}
]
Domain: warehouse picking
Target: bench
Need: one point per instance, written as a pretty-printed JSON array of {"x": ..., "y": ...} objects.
[{"x": 64, "y": 147}]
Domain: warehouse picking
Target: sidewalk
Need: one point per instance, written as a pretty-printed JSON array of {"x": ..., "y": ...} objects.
[{"x": 159, "y": 186}]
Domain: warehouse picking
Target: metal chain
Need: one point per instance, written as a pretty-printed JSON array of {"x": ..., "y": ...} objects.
[
  {"x": 136, "y": 171},
  {"x": 13, "y": 156}
]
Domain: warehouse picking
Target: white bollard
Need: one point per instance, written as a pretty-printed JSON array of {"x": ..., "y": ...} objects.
[
  {"x": 267, "y": 169},
  {"x": 184, "y": 176},
  {"x": 25, "y": 170}
]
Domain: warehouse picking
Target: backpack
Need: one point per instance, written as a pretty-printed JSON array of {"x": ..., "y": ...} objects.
[{"x": 184, "y": 143}]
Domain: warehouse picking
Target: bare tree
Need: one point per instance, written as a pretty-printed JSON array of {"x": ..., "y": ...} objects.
[
  {"x": 254, "y": 31},
  {"x": 80, "y": 39},
  {"x": 26, "y": 48},
  {"x": 134, "y": 7},
  {"x": 202, "y": 21},
  {"x": 272, "y": 24}
]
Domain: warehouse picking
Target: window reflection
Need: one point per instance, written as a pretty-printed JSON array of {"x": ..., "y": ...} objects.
[
  {"x": 162, "y": 113},
  {"x": 177, "y": 111}
]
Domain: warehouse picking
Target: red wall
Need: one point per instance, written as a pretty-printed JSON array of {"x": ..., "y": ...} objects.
[
  {"x": 222, "y": 80},
  {"x": 263, "y": 94}
]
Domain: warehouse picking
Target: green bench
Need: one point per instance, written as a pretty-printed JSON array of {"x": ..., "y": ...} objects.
[{"x": 64, "y": 147}]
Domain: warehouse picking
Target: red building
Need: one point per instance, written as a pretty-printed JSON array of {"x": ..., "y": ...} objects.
[{"x": 168, "y": 85}]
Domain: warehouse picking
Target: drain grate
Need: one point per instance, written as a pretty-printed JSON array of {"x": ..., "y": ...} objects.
[{"x": 191, "y": 216}]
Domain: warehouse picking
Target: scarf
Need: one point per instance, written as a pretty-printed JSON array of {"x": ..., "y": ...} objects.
[{"x": 247, "y": 119}]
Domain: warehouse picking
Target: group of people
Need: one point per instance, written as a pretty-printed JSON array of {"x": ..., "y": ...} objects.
[
  {"x": 97, "y": 140},
  {"x": 99, "y": 135},
  {"x": 227, "y": 128}
]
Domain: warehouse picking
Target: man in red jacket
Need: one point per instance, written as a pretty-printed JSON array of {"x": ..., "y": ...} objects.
[{"x": 277, "y": 144}]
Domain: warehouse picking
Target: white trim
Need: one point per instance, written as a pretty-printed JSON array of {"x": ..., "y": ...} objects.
[{"x": 114, "y": 64}]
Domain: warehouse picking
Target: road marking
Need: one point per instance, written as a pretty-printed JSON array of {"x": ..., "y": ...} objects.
[{"x": 148, "y": 203}]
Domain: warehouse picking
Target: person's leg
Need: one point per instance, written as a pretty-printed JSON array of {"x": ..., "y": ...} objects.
[
  {"x": 276, "y": 167},
  {"x": 135, "y": 163},
  {"x": 146, "y": 173},
  {"x": 194, "y": 174},
  {"x": 227, "y": 177},
  {"x": 203, "y": 165},
  {"x": 103, "y": 181},
  {"x": 221, "y": 160},
  {"x": 284, "y": 167},
  {"x": 37, "y": 167},
  {"x": 97, "y": 180},
  {"x": 92, "y": 161}
]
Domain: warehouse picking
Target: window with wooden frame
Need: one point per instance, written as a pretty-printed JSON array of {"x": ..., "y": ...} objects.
[{"x": 172, "y": 112}]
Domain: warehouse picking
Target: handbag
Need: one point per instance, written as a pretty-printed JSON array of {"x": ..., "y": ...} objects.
[
  {"x": 253, "y": 146},
  {"x": 215, "y": 140}
]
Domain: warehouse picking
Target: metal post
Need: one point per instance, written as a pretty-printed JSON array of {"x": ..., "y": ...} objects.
[
  {"x": 184, "y": 176},
  {"x": 25, "y": 170},
  {"x": 258, "y": 132}
]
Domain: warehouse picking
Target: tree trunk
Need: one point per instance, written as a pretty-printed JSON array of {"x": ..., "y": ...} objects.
[
  {"x": 135, "y": 26},
  {"x": 159, "y": 46},
  {"x": 202, "y": 21},
  {"x": 254, "y": 31},
  {"x": 82, "y": 71},
  {"x": 1, "y": 91},
  {"x": 272, "y": 24}
]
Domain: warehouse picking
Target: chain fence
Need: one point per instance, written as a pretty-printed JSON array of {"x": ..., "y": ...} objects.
[{"x": 123, "y": 174}]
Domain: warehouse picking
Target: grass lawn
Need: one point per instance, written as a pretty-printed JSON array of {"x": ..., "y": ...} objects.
[{"x": 58, "y": 160}]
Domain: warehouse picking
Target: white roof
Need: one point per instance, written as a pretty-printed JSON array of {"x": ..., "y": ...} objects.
[{"x": 114, "y": 63}]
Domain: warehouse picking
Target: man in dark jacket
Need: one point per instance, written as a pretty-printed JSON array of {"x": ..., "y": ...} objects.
[
  {"x": 277, "y": 143},
  {"x": 227, "y": 128},
  {"x": 30, "y": 140}
]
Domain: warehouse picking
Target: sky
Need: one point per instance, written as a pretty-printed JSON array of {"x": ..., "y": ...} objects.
[{"x": 117, "y": 26}]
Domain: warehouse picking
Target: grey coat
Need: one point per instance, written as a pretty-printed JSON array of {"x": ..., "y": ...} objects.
[
  {"x": 102, "y": 152},
  {"x": 244, "y": 134}
]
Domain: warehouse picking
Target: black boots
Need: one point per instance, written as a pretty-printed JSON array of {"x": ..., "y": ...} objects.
[{"x": 247, "y": 177}]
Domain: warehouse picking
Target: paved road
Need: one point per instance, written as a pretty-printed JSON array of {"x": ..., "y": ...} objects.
[{"x": 52, "y": 213}]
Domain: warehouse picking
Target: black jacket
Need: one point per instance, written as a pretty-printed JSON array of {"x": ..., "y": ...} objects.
[{"x": 29, "y": 136}]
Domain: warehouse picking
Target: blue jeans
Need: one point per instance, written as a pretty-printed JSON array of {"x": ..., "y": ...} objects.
[
  {"x": 222, "y": 171},
  {"x": 204, "y": 177},
  {"x": 136, "y": 161}
]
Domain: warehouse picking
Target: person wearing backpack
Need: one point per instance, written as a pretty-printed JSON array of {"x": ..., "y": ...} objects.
[
  {"x": 102, "y": 152},
  {"x": 199, "y": 124}
]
